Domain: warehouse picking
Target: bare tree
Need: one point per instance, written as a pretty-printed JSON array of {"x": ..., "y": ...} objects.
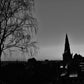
[{"x": 17, "y": 26}]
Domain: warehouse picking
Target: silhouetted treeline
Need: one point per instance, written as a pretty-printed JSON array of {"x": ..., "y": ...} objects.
[
  {"x": 29, "y": 71},
  {"x": 42, "y": 72}
]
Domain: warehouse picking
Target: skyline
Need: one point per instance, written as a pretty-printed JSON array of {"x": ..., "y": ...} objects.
[{"x": 55, "y": 19}]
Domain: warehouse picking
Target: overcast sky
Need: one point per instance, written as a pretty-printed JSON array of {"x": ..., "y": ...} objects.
[{"x": 56, "y": 18}]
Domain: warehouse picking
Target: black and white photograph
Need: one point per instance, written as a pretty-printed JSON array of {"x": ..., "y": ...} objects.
[{"x": 41, "y": 42}]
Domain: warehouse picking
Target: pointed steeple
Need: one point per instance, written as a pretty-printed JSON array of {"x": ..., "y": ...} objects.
[
  {"x": 67, "y": 46},
  {"x": 67, "y": 56}
]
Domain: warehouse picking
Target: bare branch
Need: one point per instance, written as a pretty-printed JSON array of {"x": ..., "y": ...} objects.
[{"x": 17, "y": 25}]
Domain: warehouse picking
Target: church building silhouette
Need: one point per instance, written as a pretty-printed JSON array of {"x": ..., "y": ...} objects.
[{"x": 67, "y": 56}]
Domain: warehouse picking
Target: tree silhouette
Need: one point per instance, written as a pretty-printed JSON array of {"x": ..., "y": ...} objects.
[{"x": 17, "y": 26}]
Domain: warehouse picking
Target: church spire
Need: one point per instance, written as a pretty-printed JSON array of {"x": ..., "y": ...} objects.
[
  {"x": 67, "y": 56},
  {"x": 67, "y": 46}
]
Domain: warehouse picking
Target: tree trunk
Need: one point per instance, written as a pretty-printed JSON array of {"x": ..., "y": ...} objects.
[{"x": 0, "y": 55}]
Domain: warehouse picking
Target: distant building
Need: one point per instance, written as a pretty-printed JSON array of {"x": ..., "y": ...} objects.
[{"x": 67, "y": 56}]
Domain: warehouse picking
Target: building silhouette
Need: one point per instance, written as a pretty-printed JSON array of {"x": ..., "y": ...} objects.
[{"x": 67, "y": 56}]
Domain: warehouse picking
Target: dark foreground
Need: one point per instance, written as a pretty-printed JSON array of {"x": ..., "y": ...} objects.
[{"x": 33, "y": 72}]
